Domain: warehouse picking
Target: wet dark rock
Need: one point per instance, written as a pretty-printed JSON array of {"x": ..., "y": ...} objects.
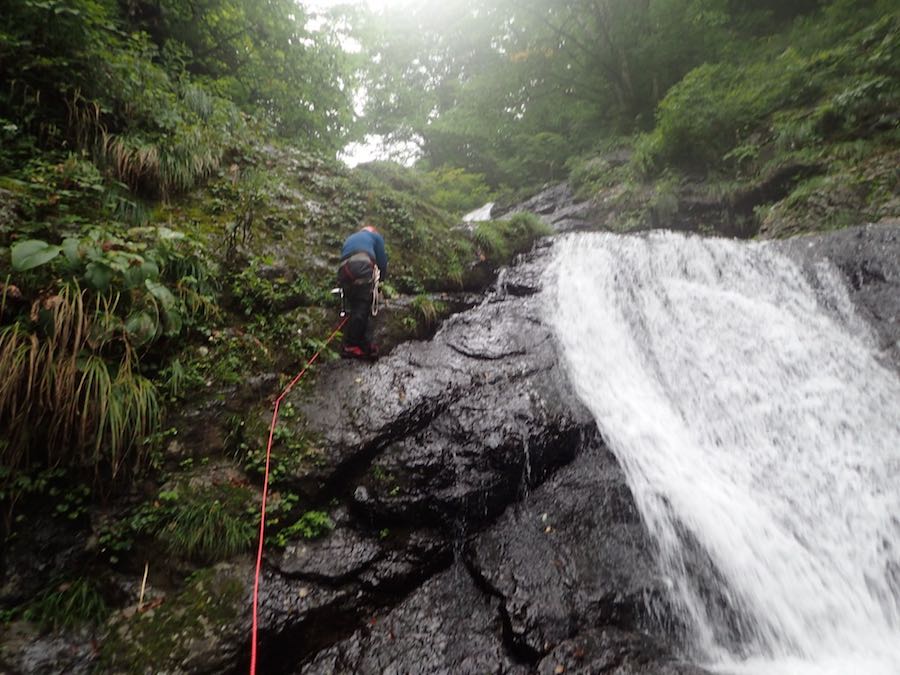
[
  {"x": 558, "y": 207},
  {"x": 50, "y": 550},
  {"x": 392, "y": 327},
  {"x": 337, "y": 557},
  {"x": 447, "y": 626},
  {"x": 414, "y": 558},
  {"x": 25, "y": 650},
  {"x": 471, "y": 461},
  {"x": 378, "y": 562},
  {"x": 868, "y": 257},
  {"x": 451, "y": 428},
  {"x": 318, "y": 592},
  {"x": 572, "y": 555},
  {"x": 522, "y": 280},
  {"x": 613, "y": 652},
  {"x": 479, "y": 423}
]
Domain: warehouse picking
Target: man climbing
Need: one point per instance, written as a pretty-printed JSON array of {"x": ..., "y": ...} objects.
[{"x": 363, "y": 266}]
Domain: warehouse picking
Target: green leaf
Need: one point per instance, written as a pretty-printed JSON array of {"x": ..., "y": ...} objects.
[
  {"x": 161, "y": 293},
  {"x": 136, "y": 275},
  {"x": 141, "y": 328},
  {"x": 151, "y": 269},
  {"x": 174, "y": 322},
  {"x": 32, "y": 253},
  {"x": 98, "y": 275},
  {"x": 70, "y": 249}
]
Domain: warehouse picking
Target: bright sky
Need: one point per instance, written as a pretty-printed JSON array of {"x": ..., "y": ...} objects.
[
  {"x": 376, "y": 5},
  {"x": 373, "y": 147}
]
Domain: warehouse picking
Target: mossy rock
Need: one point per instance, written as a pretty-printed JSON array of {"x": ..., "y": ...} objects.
[
  {"x": 199, "y": 629},
  {"x": 850, "y": 195}
]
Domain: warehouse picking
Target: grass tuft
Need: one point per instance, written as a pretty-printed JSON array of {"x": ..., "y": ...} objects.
[
  {"x": 58, "y": 389},
  {"x": 207, "y": 525},
  {"x": 68, "y": 605}
]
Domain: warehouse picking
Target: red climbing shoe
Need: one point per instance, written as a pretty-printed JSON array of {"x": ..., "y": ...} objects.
[{"x": 352, "y": 352}]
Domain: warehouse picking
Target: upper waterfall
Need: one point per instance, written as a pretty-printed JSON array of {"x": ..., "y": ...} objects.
[{"x": 760, "y": 436}]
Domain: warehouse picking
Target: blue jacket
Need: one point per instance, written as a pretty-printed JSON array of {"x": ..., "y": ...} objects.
[{"x": 371, "y": 243}]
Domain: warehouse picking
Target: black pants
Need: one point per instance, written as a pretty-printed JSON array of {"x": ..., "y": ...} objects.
[
  {"x": 361, "y": 325},
  {"x": 356, "y": 277}
]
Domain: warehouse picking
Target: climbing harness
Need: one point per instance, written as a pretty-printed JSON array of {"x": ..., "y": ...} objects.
[{"x": 262, "y": 516}]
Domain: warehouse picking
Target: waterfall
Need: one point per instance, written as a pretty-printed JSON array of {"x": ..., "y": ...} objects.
[{"x": 760, "y": 437}]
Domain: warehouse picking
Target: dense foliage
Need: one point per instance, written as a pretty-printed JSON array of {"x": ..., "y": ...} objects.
[
  {"x": 155, "y": 89},
  {"x": 512, "y": 90}
]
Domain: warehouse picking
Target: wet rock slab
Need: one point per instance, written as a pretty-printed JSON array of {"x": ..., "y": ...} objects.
[
  {"x": 571, "y": 556},
  {"x": 614, "y": 652},
  {"x": 453, "y": 427},
  {"x": 558, "y": 207},
  {"x": 562, "y": 580},
  {"x": 447, "y": 626}
]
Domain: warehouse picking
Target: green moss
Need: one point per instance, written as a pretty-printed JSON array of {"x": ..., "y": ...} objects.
[
  {"x": 295, "y": 452},
  {"x": 161, "y": 639}
]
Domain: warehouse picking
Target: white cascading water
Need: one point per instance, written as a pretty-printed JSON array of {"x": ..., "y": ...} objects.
[{"x": 760, "y": 437}]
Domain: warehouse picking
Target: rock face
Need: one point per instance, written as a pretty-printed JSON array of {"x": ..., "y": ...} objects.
[
  {"x": 487, "y": 528},
  {"x": 558, "y": 207}
]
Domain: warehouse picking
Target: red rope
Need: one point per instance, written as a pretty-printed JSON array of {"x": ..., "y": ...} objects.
[{"x": 262, "y": 516}]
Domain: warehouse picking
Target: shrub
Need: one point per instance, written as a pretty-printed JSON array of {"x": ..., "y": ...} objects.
[
  {"x": 500, "y": 240},
  {"x": 490, "y": 241},
  {"x": 456, "y": 190},
  {"x": 707, "y": 113},
  {"x": 820, "y": 89},
  {"x": 59, "y": 393}
]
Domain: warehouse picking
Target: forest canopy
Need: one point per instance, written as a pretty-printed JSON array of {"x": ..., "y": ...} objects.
[{"x": 512, "y": 89}]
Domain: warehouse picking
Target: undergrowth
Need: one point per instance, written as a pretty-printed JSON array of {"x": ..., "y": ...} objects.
[
  {"x": 311, "y": 525},
  {"x": 205, "y": 524},
  {"x": 82, "y": 317},
  {"x": 67, "y": 605},
  {"x": 500, "y": 240}
]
